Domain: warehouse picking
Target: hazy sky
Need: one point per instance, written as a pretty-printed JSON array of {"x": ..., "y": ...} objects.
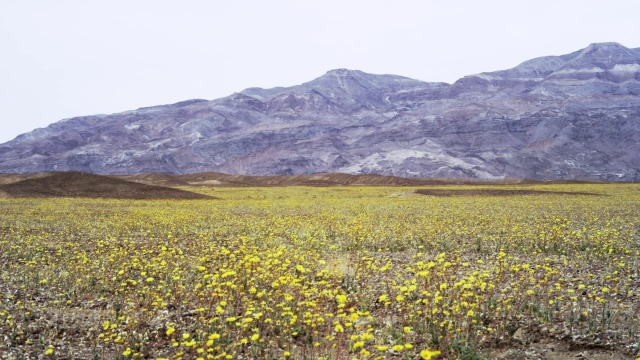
[{"x": 60, "y": 59}]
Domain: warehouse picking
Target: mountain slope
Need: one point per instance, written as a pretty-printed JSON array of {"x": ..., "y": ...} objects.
[{"x": 555, "y": 117}]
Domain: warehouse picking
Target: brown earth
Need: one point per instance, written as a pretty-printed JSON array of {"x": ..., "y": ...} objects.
[
  {"x": 77, "y": 184},
  {"x": 13, "y": 178},
  {"x": 532, "y": 343},
  {"x": 493, "y": 192},
  {"x": 213, "y": 179},
  {"x": 557, "y": 350},
  {"x": 331, "y": 179}
]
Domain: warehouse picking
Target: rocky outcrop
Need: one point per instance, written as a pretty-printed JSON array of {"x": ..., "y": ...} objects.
[{"x": 575, "y": 116}]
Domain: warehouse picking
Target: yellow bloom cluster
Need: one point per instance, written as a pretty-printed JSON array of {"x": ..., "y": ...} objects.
[{"x": 357, "y": 272}]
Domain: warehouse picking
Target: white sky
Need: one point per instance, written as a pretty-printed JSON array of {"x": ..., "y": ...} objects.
[{"x": 60, "y": 59}]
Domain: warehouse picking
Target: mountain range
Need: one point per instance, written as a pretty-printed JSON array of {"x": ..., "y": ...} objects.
[{"x": 574, "y": 116}]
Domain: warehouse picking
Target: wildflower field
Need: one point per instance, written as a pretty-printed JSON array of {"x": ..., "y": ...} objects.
[{"x": 320, "y": 273}]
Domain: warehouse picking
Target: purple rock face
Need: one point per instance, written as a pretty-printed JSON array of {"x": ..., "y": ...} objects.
[{"x": 575, "y": 116}]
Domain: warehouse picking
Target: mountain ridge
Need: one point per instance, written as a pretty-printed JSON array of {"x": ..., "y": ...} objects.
[{"x": 572, "y": 116}]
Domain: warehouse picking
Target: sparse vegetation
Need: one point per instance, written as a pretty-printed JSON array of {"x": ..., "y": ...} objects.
[{"x": 331, "y": 273}]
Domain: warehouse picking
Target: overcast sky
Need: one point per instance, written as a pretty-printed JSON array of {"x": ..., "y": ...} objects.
[{"x": 60, "y": 59}]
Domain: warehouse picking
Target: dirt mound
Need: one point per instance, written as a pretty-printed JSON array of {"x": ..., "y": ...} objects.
[
  {"x": 213, "y": 179},
  {"x": 13, "y": 178},
  {"x": 153, "y": 179},
  {"x": 77, "y": 184},
  {"x": 493, "y": 192},
  {"x": 331, "y": 179}
]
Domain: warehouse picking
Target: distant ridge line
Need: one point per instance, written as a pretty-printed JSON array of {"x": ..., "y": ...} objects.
[{"x": 214, "y": 179}]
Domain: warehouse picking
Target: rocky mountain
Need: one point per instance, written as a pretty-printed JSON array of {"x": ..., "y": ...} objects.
[{"x": 574, "y": 116}]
